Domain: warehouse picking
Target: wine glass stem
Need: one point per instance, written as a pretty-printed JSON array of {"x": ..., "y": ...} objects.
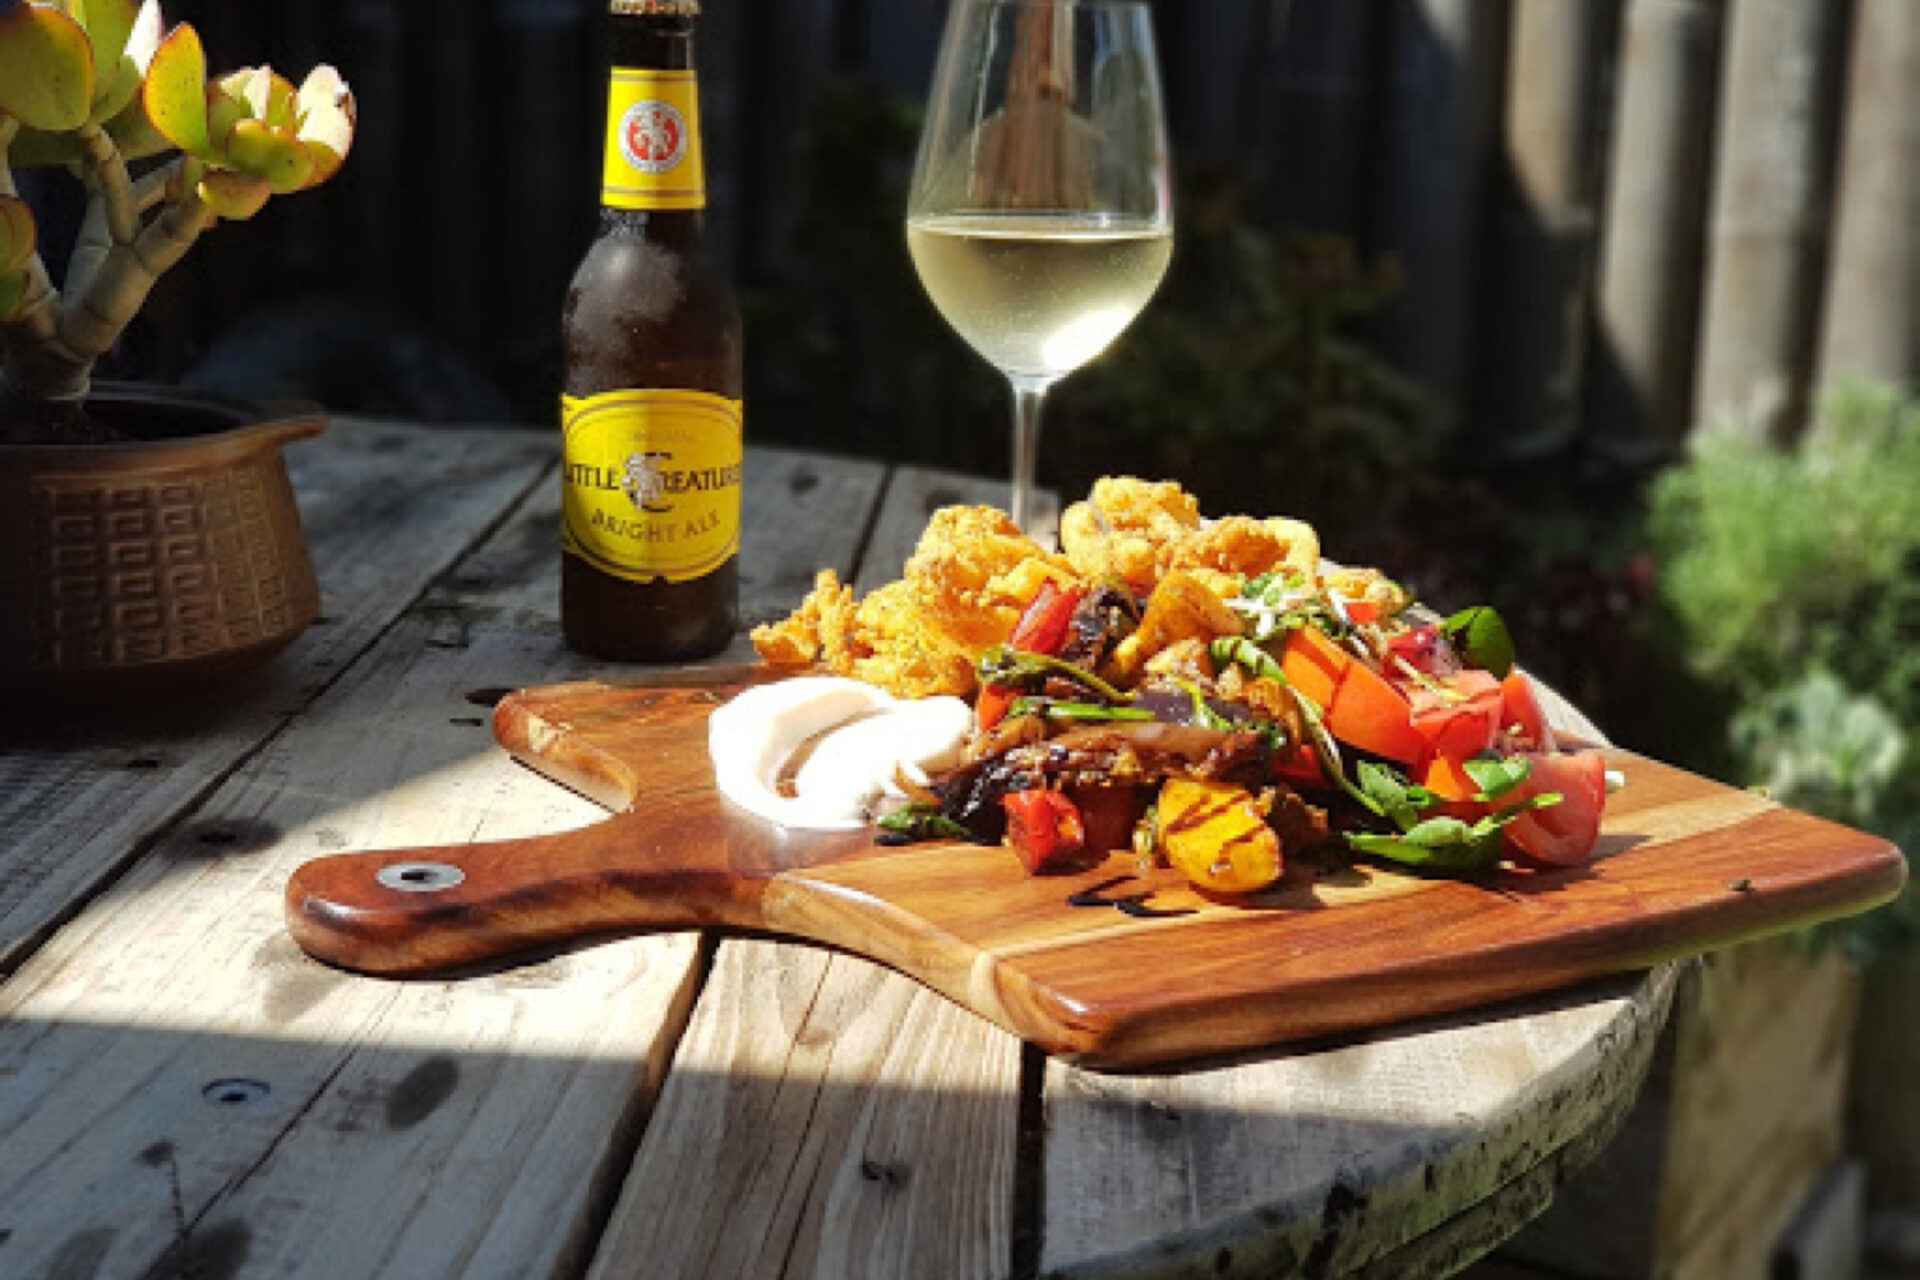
[{"x": 1027, "y": 395}]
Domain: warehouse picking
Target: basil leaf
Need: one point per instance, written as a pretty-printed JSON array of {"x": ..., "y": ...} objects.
[
  {"x": 1540, "y": 800},
  {"x": 1497, "y": 777},
  {"x": 1480, "y": 636},
  {"x": 922, "y": 822},
  {"x": 1444, "y": 845},
  {"x": 1392, "y": 796},
  {"x": 1002, "y": 665}
]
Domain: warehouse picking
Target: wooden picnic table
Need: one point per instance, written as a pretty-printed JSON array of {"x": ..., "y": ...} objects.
[{"x": 184, "y": 1093}]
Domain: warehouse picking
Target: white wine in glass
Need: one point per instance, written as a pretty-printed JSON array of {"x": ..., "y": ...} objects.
[{"x": 1040, "y": 219}]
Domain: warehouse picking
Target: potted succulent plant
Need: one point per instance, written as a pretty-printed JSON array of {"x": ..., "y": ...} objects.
[{"x": 145, "y": 538}]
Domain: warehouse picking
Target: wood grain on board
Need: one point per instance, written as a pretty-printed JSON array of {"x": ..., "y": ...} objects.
[{"x": 1684, "y": 865}]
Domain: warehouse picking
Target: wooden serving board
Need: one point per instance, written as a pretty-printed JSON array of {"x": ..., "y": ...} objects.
[{"x": 1685, "y": 865}]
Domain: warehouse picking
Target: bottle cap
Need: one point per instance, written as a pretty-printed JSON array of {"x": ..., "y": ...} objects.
[{"x": 655, "y": 8}]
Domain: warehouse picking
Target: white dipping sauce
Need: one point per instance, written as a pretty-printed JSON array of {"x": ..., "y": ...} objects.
[{"x": 861, "y": 736}]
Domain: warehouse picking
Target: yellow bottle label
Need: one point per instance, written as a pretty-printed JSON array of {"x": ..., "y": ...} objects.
[
  {"x": 650, "y": 482},
  {"x": 653, "y": 142}
]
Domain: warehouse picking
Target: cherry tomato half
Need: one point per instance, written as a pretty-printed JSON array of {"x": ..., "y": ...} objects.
[{"x": 1561, "y": 835}]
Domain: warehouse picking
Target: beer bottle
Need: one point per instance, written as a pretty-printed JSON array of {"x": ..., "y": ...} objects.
[{"x": 651, "y": 404}]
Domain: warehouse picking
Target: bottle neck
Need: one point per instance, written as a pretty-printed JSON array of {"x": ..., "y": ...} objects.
[
  {"x": 655, "y": 42},
  {"x": 653, "y": 161}
]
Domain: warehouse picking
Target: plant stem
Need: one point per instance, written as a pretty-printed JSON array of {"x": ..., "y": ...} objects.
[
  {"x": 112, "y": 218},
  {"x": 26, "y": 372},
  {"x": 93, "y": 317},
  {"x": 112, "y": 186}
]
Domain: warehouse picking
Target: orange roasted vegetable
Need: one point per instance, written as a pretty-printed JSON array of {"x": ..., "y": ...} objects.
[
  {"x": 1362, "y": 708},
  {"x": 1217, "y": 835}
]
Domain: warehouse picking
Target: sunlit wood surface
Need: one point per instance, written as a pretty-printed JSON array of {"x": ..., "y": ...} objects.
[{"x": 184, "y": 1092}]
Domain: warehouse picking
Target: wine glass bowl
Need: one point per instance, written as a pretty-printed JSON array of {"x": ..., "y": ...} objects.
[{"x": 1040, "y": 220}]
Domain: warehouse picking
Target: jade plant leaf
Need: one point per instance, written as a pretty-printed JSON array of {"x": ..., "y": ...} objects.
[
  {"x": 227, "y": 106},
  {"x": 175, "y": 94},
  {"x": 326, "y": 109},
  {"x": 234, "y": 196},
  {"x": 13, "y": 288},
  {"x": 132, "y": 131},
  {"x": 17, "y": 233},
  {"x": 256, "y": 149},
  {"x": 269, "y": 97},
  {"x": 46, "y": 67},
  {"x": 39, "y": 149},
  {"x": 108, "y": 24},
  {"x": 130, "y": 71}
]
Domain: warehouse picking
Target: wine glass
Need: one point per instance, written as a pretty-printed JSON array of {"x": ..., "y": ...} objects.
[{"x": 1041, "y": 217}]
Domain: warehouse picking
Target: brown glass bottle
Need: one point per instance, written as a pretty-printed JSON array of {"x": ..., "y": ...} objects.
[{"x": 650, "y": 405}]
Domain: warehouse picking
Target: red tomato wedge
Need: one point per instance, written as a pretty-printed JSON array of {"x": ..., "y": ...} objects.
[
  {"x": 1561, "y": 835},
  {"x": 1042, "y": 628},
  {"x": 1521, "y": 715},
  {"x": 990, "y": 708},
  {"x": 1300, "y": 768},
  {"x": 1045, "y": 829},
  {"x": 1459, "y": 714},
  {"x": 1362, "y": 708},
  {"x": 1043, "y": 624}
]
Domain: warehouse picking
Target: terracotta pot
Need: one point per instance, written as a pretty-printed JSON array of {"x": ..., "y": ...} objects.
[{"x": 130, "y": 569}]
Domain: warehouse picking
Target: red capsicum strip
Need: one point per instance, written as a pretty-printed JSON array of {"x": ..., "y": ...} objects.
[{"x": 1042, "y": 628}]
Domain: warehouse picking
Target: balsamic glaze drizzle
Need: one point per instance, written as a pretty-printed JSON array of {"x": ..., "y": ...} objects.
[{"x": 1133, "y": 904}]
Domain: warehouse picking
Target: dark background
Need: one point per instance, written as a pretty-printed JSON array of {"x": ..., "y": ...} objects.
[{"x": 1448, "y": 274}]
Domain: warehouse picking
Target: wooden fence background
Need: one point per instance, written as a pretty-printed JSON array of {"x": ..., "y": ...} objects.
[{"x": 1616, "y": 218}]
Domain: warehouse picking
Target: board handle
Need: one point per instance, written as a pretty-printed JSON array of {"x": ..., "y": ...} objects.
[{"x": 411, "y": 911}]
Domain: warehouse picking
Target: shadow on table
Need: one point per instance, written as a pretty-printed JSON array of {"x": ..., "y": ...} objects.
[{"x": 371, "y": 1141}]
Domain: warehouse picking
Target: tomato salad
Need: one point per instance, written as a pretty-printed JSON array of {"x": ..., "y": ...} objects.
[{"x": 1301, "y": 713}]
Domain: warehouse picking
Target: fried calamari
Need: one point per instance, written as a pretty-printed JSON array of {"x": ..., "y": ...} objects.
[{"x": 973, "y": 572}]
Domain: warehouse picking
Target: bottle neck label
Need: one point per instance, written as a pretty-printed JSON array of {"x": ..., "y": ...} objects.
[
  {"x": 653, "y": 156},
  {"x": 650, "y": 482}
]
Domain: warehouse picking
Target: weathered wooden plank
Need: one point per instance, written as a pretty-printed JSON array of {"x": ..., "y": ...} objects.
[
  {"x": 1873, "y": 285},
  {"x": 1641, "y": 369},
  {"x": 1438, "y": 1139},
  {"x": 1883, "y": 1125},
  {"x": 786, "y": 543},
  {"x": 1321, "y": 1163},
  {"x": 1466, "y": 1237},
  {"x": 825, "y": 1120},
  {"x": 1545, "y": 226},
  {"x": 1740, "y": 1116},
  {"x": 385, "y": 510},
  {"x": 1771, "y": 182},
  {"x": 852, "y": 1149},
  {"x": 1439, "y": 117},
  {"x": 1759, "y": 1088},
  {"x": 913, "y": 495},
  {"x": 172, "y": 1029}
]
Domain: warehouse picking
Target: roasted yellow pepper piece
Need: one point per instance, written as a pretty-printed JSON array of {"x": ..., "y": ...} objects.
[{"x": 1217, "y": 835}]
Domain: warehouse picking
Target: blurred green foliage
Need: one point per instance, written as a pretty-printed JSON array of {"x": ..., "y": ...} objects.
[
  {"x": 1240, "y": 379},
  {"x": 1244, "y": 380},
  {"x": 1789, "y": 582},
  {"x": 845, "y": 351},
  {"x": 1751, "y": 614}
]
